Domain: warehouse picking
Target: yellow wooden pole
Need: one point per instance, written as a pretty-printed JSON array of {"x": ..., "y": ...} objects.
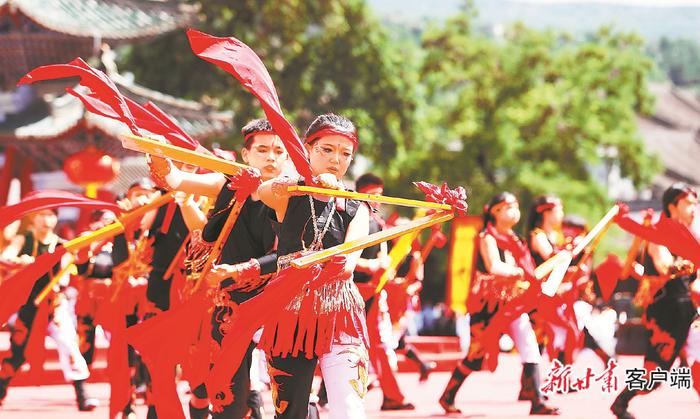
[
  {"x": 220, "y": 242},
  {"x": 157, "y": 148},
  {"x": 54, "y": 280},
  {"x": 372, "y": 239},
  {"x": 116, "y": 227},
  {"x": 413, "y": 203}
]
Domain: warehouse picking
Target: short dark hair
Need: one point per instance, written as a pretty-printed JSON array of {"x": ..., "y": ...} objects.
[
  {"x": 675, "y": 193},
  {"x": 253, "y": 127},
  {"x": 536, "y": 215},
  {"x": 366, "y": 180},
  {"x": 333, "y": 121}
]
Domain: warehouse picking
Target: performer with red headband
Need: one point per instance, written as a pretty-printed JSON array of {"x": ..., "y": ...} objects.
[
  {"x": 547, "y": 238},
  {"x": 373, "y": 260},
  {"x": 669, "y": 316},
  {"x": 247, "y": 258},
  {"x": 55, "y": 316},
  {"x": 325, "y": 325},
  {"x": 165, "y": 231},
  {"x": 496, "y": 262}
]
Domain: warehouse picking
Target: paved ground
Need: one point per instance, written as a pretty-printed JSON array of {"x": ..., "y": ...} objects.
[{"x": 483, "y": 395}]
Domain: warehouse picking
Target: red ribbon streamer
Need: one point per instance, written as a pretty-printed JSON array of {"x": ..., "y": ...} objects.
[{"x": 239, "y": 60}]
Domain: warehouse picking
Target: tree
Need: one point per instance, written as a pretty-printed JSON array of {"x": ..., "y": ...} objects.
[
  {"x": 322, "y": 55},
  {"x": 532, "y": 112}
]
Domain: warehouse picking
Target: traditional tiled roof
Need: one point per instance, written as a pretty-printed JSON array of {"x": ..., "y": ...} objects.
[
  {"x": 40, "y": 32},
  {"x": 52, "y": 128},
  {"x": 106, "y": 19},
  {"x": 673, "y": 134}
]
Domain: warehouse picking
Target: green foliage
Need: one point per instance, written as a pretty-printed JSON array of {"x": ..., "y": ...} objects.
[
  {"x": 322, "y": 55},
  {"x": 679, "y": 59},
  {"x": 533, "y": 112}
]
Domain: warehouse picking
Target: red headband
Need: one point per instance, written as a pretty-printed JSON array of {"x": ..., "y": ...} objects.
[
  {"x": 507, "y": 201},
  {"x": 250, "y": 136},
  {"x": 332, "y": 131},
  {"x": 546, "y": 206}
]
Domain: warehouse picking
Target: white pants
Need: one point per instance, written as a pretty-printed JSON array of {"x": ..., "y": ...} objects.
[
  {"x": 345, "y": 373},
  {"x": 62, "y": 330},
  {"x": 520, "y": 330},
  {"x": 692, "y": 345}
]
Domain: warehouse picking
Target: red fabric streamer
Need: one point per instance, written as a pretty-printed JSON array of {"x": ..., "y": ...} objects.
[
  {"x": 163, "y": 342},
  {"x": 176, "y": 135},
  {"x": 666, "y": 232},
  {"x": 253, "y": 313},
  {"x": 50, "y": 199},
  {"x": 36, "y": 349},
  {"x": 608, "y": 273},
  {"x": 239, "y": 60},
  {"x": 457, "y": 197},
  {"x": 95, "y": 80},
  {"x": 16, "y": 289}
]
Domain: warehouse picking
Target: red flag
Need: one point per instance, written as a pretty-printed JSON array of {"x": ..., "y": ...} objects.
[
  {"x": 239, "y": 60},
  {"x": 666, "y": 232},
  {"x": 50, "y": 199},
  {"x": 177, "y": 135},
  {"x": 36, "y": 350},
  {"x": 112, "y": 317},
  {"x": 608, "y": 273},
  {"x": 15, "y": 289},
  {"x": 255, "y": 312},
  {"x": 163, "y": 342},
  {"x": 100, "y": 85}
]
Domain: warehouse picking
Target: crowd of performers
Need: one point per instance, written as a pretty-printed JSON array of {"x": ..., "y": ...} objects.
[{"x": 156, "y": 286}]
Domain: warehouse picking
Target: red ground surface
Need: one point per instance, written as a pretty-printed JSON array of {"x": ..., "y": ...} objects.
[{"x": 483, "y": 395}]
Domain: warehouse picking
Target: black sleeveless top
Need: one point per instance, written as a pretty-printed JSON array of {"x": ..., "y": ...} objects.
[
  {"x": 297, "y": 224},
  {"x": 536, "y": 256},
  {"x": 676, "y": 287},
  {"x": 252, "y": 236},
  {"x": 369, "y": 253},
  {"x": 28, "y": 249},
  {"x": 166, "y": 245},
  {"x": 480, "y": 264}
]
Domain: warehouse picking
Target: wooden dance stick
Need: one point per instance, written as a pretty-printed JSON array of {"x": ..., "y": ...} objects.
[
  {"x": 219, "y": 243},
  {"x": 165, "y": 150},
  {"x": 370, "y": 197},
  {"x": 372, "y": 239},
  {"x": 559, "y": 269},
  {"x": 54, "y": 280},
  {"x": 116, "y": 227}
]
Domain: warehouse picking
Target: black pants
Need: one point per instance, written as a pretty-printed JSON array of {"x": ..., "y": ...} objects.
[
  {"x": 240, "y": 387},
  {"x": 19, "y": 338},
  {"x": 668, "y": 321},
  {"x": 291, "y": 379}
]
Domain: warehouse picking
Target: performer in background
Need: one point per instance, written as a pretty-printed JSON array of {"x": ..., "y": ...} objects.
[
  {"x": 247, "y": 259},
  {"x": 495, "y": 262},
  {"x": 326, "y": 325},
  {"x": 375, "y": 259},
  {"x": 23, "y": 249},
  {"x": 668, "y": 317}
]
